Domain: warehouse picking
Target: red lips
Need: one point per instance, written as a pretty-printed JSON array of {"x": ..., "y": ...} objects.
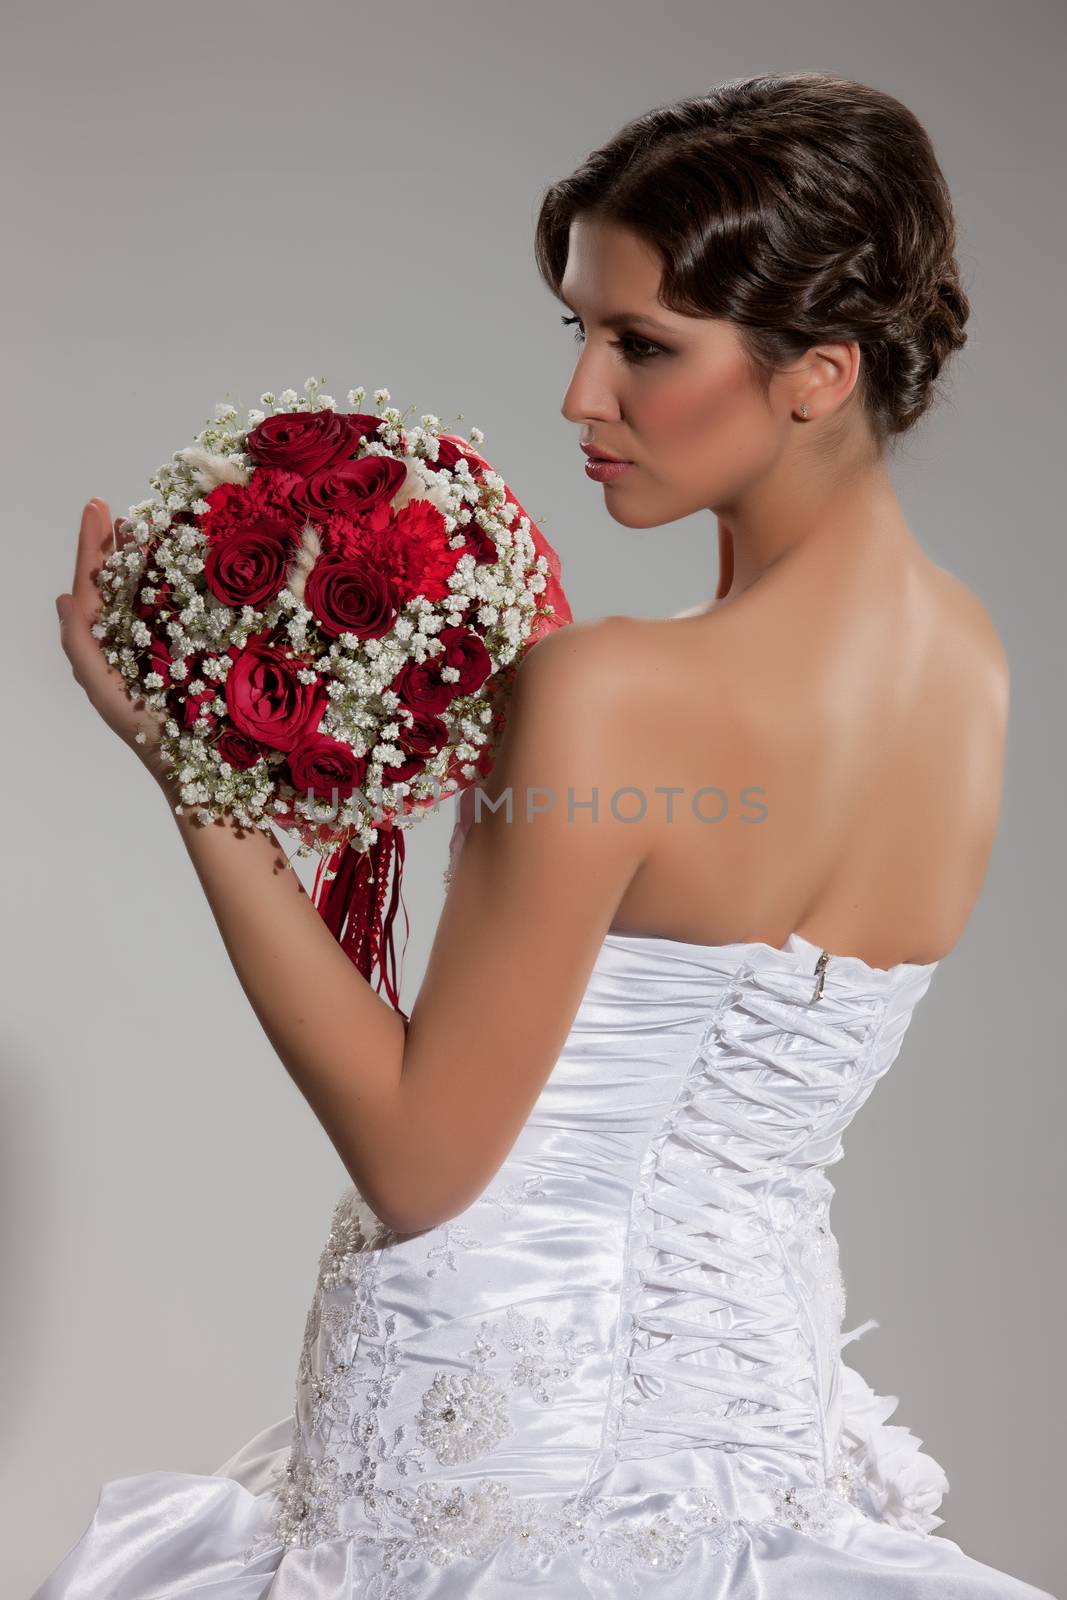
[{"x": 595, "y": 453}]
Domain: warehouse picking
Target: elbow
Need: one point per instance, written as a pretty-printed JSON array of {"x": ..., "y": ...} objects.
[{"x": 404, "y": 1206}]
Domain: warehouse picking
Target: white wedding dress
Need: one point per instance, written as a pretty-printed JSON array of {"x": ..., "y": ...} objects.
[{"x": 619, "y": 1371}]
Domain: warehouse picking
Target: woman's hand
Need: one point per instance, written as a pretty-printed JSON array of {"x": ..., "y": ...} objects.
[{"x": 105, "y": 687}]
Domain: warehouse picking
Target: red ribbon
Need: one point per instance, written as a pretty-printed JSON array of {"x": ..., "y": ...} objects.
[{"x": 357, "y": 893}]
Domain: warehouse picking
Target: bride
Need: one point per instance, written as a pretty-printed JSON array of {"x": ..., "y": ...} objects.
[{"x": 577, "y": 1324}]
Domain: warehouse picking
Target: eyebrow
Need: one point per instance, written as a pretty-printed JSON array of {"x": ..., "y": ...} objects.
[{"x": 619, "y": 319}]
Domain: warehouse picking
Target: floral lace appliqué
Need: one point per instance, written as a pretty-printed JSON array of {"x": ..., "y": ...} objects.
[
  {"x": 545, "y": 1359},
  {"x": 338, "y": 1402},
  {"x": 511, "y": 1197},
  {"x": 812, "y": 1510},
  {"x": 463, "y": 1416},
  {"x": 486, "y": 1520},
  {"x": 450, "y": 1237}
]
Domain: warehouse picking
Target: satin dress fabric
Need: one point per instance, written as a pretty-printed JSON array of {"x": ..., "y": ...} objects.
[{"x": 620, "y": 1370}]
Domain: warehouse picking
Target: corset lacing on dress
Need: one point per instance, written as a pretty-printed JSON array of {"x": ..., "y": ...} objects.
[{"x": 732, "y": 1271}]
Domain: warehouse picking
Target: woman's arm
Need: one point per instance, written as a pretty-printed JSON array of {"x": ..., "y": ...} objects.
[
  {"x": 423, "y": 1117},
  {"x": 341, "y": 1043}
]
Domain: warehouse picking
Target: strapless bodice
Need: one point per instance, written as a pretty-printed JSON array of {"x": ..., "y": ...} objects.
[{"x": 635, "y": 1331}]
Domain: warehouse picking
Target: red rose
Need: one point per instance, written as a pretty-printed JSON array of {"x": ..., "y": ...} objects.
[
  {"x": 248, "y": 568},
  {"x": 185, "y": 705},
  {"x": 466, "y": 651},
  {"x": 423, "y": 738},
  {"x": 323, "y": 764},
  {"x": 268, "y": 702},
  {"x": 425, "y": 735},
  {"x": 156, "y": 658},
  {"x": 302, "y": 441},
  {"x": 351, "y": 487},
  {"x": 420, "y": 685},
  {"x": 238, "y": 749},
  {"x": 481, "y": 545},
  {"x": 186, "y": 711},
  {"x": 360, "y": 423},
  {"x": 349, "y": 595},
  {"x": 150, "y": 612},
  {"x": 450, "y": 448}
]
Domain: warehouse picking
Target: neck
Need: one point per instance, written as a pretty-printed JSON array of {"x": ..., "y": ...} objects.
[{"x": 768, "y": 527}]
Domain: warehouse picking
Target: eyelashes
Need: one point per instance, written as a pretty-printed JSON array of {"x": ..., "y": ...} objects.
[{"x": 631, "y": 346}]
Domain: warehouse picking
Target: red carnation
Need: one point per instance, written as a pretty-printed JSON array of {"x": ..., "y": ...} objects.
[
  {"x": 411, "y": 545},
  {"x": 234, "y": 507}
]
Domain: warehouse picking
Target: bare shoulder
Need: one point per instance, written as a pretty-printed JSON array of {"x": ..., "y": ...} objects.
[
  {"x": 587, "y": 670},
  {"x": 973, "y": 640},
  {"x": 580, "y": 648},
  {"x": 565, "y": 731},
  {"x": 616, "y": 673}
]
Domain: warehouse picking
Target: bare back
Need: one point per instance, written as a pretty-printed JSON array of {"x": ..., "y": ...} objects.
[{"x": 848, "y": 731}]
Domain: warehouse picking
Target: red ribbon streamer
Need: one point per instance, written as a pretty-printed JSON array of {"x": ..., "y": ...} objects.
[{"x": 357, "y": 893}]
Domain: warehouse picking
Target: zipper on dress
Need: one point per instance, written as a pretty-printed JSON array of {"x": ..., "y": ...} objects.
[{"x": 820, "y": 971}]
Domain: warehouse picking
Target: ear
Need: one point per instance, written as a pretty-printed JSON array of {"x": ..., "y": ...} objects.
[{"x": 830, "y": 375}]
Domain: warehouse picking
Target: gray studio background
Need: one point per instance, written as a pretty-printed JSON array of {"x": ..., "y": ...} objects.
[{"x": 203, "y": 202}]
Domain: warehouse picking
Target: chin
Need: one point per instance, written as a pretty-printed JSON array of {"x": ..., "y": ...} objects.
[{"x": 646, "y": 516}]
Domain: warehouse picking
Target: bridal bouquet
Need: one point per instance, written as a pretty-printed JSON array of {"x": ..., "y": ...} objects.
[{"x": 328, "y": 608}]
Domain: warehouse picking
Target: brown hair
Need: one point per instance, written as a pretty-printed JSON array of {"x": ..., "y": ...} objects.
[{"x": 802, "y": 207}]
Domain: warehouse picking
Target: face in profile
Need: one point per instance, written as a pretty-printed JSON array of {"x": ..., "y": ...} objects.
[{"x": 675, "y": 395}]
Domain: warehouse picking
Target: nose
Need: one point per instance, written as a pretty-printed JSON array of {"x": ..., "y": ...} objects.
[{"x": 588, "y": 396}]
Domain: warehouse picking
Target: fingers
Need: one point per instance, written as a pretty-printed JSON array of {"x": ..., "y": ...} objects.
[
  {"x": 94, "y": 540},
  {"x": 88, "y": 537}
]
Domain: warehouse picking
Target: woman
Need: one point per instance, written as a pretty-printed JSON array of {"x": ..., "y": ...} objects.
[{"x": 577, "y": 1324}]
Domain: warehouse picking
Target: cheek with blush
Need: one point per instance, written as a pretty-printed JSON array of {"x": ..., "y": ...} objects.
[{"x": 690, "y": 422}]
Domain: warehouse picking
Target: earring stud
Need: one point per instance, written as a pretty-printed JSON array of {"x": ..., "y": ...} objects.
[{"x": 804, "y": 409}]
